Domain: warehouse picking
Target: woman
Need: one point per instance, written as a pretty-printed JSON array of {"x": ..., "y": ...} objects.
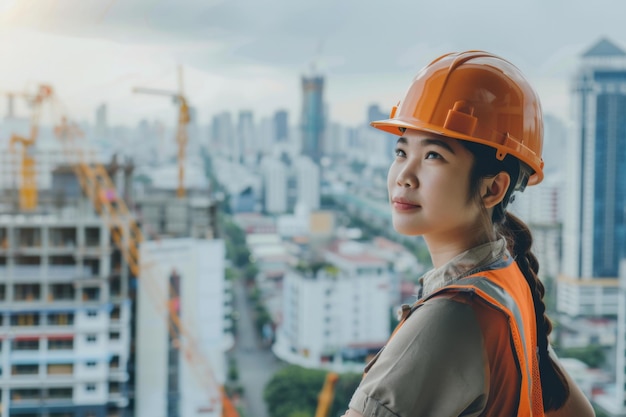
[{"x": 476, "y": 343}]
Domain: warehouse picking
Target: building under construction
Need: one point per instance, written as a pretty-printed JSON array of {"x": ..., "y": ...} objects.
[{"x": 70, "y": 280}]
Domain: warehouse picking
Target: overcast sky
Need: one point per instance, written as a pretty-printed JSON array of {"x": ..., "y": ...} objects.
[{"x": 250, "y": 54}]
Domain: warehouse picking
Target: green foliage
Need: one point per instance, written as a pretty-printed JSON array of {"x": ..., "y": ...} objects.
[
  {"x": 230, "y": 274},
  {"x": 393, "y": 319},
  {"x": 262, "y": 317},
  {"x": 549, "y": 298},
  {"x": 599, "y": 412},
  {"x": 314, "y": 266},
  {"x": 233, "y": 370},
  {"x": 254, "y": 294},
  {"x": 293, "y": 391},
  {"x": 592, "y": 355},
  {"x": 250, "y": 272},
  {"x": 300, "y": 413}
]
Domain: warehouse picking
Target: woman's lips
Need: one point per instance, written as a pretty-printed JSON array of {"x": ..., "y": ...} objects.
[{"x": 403, "y": 204}]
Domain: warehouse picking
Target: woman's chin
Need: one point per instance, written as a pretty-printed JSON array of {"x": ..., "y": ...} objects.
[{"x": 406, "y": 229}]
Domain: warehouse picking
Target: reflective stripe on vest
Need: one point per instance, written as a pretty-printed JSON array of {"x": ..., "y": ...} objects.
[
  {"x": 506, "y": 290},
  {"x": 497, "y": 298}
]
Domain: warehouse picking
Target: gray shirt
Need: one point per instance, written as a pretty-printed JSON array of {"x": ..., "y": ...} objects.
[{"x": 436, "y": 364}]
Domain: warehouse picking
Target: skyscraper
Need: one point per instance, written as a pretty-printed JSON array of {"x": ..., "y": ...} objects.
[
  {"x": 594, "y": 233},
  {"x": 245, "y": 136},
  {"x": 101, "y": 122},
  {"x": 223, "y": 137},
  {"x": 313, "y": 122},
  {"x": 594, "y": 223},
  {"x": 281, "y": 126}
]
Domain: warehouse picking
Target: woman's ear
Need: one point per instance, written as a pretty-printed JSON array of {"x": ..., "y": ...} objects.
[{"x": 494, "y": 189}]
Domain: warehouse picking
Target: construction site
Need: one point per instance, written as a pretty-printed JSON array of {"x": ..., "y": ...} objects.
[{"x": 94, "y": 280}]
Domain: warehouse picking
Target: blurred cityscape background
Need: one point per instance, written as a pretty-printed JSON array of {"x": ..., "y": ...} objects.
[{"x": 233, "y": 265}]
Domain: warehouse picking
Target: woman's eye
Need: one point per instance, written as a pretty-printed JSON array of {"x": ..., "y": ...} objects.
[
  {"x": 432, "y": 155},
  {"x": 399, "y": 153}
]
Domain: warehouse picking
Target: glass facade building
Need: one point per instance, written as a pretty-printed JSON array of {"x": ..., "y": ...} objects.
[
  {"x": 313, "y": 123},
  {"x": 595, "y": 220}
]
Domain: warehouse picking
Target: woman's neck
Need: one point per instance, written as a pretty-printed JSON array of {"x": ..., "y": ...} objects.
[{"x": 444, "y": 248}]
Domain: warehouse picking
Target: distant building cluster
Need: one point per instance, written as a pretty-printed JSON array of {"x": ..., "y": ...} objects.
[{"x": 78, "y": 331}]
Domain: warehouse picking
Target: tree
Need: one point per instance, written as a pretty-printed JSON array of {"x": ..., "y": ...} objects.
[
  {"x": 293, "y": 391},
  {"x": 592, "y": 355}
]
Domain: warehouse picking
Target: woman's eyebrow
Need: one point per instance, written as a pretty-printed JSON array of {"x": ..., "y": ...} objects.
[
  {"x": 438, "y": 142},
  {"x": 429, "y": 141}
]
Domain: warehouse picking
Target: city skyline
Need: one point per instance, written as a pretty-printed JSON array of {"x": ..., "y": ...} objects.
[{"x": 249, "y": 56}]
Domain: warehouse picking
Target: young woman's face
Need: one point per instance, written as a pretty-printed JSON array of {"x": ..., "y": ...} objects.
[{"x": 428, "y": 186}]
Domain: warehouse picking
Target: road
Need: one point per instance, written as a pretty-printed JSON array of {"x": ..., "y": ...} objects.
[{"x": 255, "y": 362}]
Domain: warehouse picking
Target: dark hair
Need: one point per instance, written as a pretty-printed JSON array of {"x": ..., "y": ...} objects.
[{"x": 554, "y": 386}]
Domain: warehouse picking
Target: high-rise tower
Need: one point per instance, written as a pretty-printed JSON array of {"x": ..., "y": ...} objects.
[
  {"x": 281, "y": 126},
  {"x": 594, "y": 224},
  {"x": 313, "y": 122}
]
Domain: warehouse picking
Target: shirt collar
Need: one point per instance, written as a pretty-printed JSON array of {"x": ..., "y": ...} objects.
[{"x": 463, "y": 264}]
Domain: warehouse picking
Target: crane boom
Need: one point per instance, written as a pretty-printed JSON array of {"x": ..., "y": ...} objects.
[
  {"x": 156, "y": 92},
  {"x": 181, "y": 130}
]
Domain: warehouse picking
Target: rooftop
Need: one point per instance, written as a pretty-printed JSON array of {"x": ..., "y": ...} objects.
[{"x": 604, "y": 48}]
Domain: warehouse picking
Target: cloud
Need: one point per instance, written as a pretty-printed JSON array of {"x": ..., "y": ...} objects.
[{"x": 245, "y": 53}]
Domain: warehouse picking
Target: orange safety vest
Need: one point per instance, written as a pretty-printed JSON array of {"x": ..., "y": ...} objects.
[{"x": 506, "y": 291}]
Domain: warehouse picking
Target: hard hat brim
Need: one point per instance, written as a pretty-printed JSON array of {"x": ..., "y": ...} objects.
[{"x": 395, "y": 127}]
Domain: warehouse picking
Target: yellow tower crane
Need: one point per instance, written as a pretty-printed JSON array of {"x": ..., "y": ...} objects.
[
  {"x": 181, "y": 130},
  {"x": 326, "y": 395},
  {"x": 28, "y": 174}
]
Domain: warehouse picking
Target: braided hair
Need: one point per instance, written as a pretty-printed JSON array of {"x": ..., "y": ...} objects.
[{"x": 554, "y": 386}]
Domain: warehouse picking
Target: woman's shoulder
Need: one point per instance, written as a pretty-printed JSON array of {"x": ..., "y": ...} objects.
[
  {"x": 441, "y": 317},
  {"x": 449, "y": 311}
]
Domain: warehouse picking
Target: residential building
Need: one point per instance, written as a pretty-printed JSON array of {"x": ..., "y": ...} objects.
[
  {"x": 540, "y": 207},
  {"x": 308, "y": 182},
  {"x": 337, "y": 315},
  {"x": 275, "y": 175},
  {"x": 180, "y": 367}
]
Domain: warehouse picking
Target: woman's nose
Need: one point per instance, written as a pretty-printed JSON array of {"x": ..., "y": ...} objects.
[{"x": 407, "y": 178}]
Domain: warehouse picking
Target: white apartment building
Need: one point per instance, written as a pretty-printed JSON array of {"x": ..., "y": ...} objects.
[
  {"x": 540, "y": 208},
  {"x": 587, "y": 297},
  {"x": 337, "y": 316},
  {"x": 185, "y": 276},
  {"x": 274, "y": 185},
  {"x": 64, "y": 316},
  {"x": 308, "y": 182}
]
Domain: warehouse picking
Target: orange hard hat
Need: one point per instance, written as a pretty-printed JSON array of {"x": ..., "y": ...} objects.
[{"x": 478, "y": 97}]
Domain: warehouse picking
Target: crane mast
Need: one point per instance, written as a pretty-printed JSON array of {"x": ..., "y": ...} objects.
[
  {"x": 28, "y": 192},
  {"x": 181, "y": 128},
  {"x": 326, "y": 395}
]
